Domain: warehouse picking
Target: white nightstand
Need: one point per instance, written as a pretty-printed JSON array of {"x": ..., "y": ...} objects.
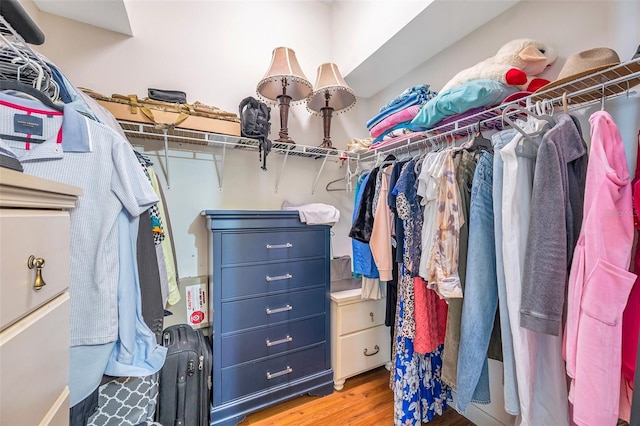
[{"x": 359, "y": 339}]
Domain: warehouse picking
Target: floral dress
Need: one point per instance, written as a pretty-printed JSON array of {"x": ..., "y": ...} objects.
[{"x": 419, "y": 394}]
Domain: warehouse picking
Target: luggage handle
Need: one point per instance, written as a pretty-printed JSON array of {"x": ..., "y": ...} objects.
[
  {"x": 277, "y": 310},
  {"x": 279, "y": 277},
  {"x": 278, "y": 342},
  {"x": 288, "y": 370},
  {"x": 279, "y": 246}
]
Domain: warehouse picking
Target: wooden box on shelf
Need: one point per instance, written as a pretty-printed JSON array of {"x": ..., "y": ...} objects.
[{"x": 122, "y": 111}]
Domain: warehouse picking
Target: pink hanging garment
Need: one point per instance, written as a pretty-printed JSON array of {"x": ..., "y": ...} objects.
[
  {"x": 599, "y": 282},
  {"x": 631, "y": 316}
]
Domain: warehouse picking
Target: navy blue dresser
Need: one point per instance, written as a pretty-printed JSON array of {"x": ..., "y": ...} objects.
[{"x": 269, "y": 277}]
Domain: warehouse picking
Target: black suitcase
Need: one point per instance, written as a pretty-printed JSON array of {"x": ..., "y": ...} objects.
[{"x": 184, "y": 397}]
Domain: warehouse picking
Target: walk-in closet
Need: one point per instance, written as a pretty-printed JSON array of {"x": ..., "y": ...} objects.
[{"x": 319, "y": 212}]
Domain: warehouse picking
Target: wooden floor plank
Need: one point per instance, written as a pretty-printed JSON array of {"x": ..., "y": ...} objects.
[{"x": 365, "y": 400}]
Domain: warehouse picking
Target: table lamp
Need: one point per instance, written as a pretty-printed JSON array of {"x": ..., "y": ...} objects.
[
  {"x": 284, "y": 84},
  {"x": 330, "y": 94}
]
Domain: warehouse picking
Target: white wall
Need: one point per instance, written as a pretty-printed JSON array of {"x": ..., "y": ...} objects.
[{"x": 200, "y": 47}]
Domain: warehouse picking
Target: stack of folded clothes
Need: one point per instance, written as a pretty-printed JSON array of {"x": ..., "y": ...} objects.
[
  {"x": 394, "y": 119},
  {"x": 466, "y": 99}
]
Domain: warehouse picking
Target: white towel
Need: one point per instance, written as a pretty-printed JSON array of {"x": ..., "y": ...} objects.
[{"x": 315, "y": 213}]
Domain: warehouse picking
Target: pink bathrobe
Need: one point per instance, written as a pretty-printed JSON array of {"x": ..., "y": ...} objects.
[{"x": 599, "y": 282}]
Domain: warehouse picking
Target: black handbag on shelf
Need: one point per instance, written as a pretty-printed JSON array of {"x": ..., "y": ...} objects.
[{"x": 173, "y": 96}]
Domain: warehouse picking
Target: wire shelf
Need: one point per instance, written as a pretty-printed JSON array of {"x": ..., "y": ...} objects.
[
  {"x": 609, "y": 83},
  {"x": 149, "y": 131}
]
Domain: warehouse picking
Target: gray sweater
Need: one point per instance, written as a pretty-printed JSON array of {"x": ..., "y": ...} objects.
[{"x": 556, "y": 217}]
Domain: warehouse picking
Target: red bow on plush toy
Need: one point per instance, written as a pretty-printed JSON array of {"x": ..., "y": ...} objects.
[{"x": 515, "y": 64}]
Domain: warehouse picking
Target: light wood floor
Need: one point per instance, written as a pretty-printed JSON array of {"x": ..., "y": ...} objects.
[{"x": 365, "y": 400}]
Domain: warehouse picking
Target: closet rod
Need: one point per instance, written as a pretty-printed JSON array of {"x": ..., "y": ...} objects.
[{"x": 586, "y": 91}]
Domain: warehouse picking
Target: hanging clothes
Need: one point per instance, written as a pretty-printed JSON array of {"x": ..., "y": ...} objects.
[
  {"x": 540, "y": 371},
  {"x": 380, "y": 241},
  {"x": 481, "y": 292},
  {"x": 556, "y": 219},
  {"x": 599, "y": 283},
  {"x": 465, "y": 168},
  {"x": 511, "y": 397},
  {"x": 443, "y": 271},
  {"x": 363, "y": 263},
  {"x": 631, "y": 316}
]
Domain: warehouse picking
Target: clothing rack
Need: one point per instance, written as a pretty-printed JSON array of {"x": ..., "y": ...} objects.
[
  {"x": 600, "y": 86},
  {"x": 18, "y": 62}
]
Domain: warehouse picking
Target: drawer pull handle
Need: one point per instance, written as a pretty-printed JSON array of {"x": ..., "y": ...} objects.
[
  {"x": 283, "y": 309},
  {"x": 376, "y": 347},
  {"x": 277, "y": 246},
  {"x": 279, "y": 277},
  {"x": 288, "y": 370},
  {"x": 371, "y": 315},
  {"x": 278, "y": 342},
  {"x": 38, "y": 263}
]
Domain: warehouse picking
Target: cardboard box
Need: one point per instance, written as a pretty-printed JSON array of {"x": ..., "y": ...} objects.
[
  {"x": 122, "y": 111},
  {"x": 193, "y": 307}
]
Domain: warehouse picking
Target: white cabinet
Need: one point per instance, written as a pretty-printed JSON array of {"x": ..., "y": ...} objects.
[
  {"x": 359, "y": 339},
  {"x": 34, "y": 322}
]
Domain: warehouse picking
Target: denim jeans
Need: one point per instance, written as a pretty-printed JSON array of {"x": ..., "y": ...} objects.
[
  {"x": 481, "y": 291},
  {"x": 511, "y": 398}
]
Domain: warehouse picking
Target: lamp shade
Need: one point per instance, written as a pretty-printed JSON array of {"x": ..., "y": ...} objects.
[
  {"x": 330, "y": 80},
  {"x": 284, "y": 65}
]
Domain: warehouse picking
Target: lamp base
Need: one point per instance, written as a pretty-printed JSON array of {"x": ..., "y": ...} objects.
[{"x": 326, "y": 143}]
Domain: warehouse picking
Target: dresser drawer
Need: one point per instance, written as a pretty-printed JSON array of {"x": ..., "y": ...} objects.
[
  {"x": 252, "y": 280},
  {"x": 43, "y": 234},
  {"x": 58, "y": 414},
  {"x": 34, "y": 360},
  {"x": 256, "y": 344},
  {"x": 248, "y": 313},
  {"x": 361, "y": 315},
  {"x": 253, "y": 377},
  {"x": 263, "y": 246},
  {"x": 376, "y": 341}
]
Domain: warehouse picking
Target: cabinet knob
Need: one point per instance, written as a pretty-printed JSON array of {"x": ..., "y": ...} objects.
[
  {"x": 38, "y": 263},
  {"x": 371, "y": 315}
]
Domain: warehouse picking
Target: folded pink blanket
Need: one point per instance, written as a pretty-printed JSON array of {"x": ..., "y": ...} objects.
[{"x": 401, "y": 116}]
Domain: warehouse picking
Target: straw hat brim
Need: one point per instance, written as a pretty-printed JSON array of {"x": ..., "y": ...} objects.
[{"x": 582, "y": 81}]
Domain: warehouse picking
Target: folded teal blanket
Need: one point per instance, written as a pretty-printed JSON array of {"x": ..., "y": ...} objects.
[{"x": 459, "y": 99}]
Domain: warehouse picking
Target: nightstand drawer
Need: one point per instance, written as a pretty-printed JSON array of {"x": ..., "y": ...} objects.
[
  {"x": 34, "y": 360},
  {"x": 362, "y": 315},
  {"x": 239, "y": 281},
  {"x": 264, "y": 246},
  {"x": 248, "y": 313},
  {"x": 258, "y": 344},
  {"x": 375, "y": 341},
  {"x": 254, "y": 377},
  {"x": 25, "y": 233}
]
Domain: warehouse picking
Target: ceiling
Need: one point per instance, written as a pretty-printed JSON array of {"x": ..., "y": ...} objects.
[
  {"x": 446, "y": 21},
  {"x": 108, "y": 14}
]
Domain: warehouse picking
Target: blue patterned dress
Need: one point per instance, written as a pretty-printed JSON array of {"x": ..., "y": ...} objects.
[{"x": 419, "y": 394}]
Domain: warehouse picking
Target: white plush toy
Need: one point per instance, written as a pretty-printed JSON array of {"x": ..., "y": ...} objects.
[{"x": 515, "y": 64}]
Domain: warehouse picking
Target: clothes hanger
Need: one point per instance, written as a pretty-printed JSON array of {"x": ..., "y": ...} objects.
[
  {"x": 31, "y": 91},
  {"x": 479, "y": 141},
  {"x": 329, "y": 189},
  {"x": 528, "y": 137}
]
